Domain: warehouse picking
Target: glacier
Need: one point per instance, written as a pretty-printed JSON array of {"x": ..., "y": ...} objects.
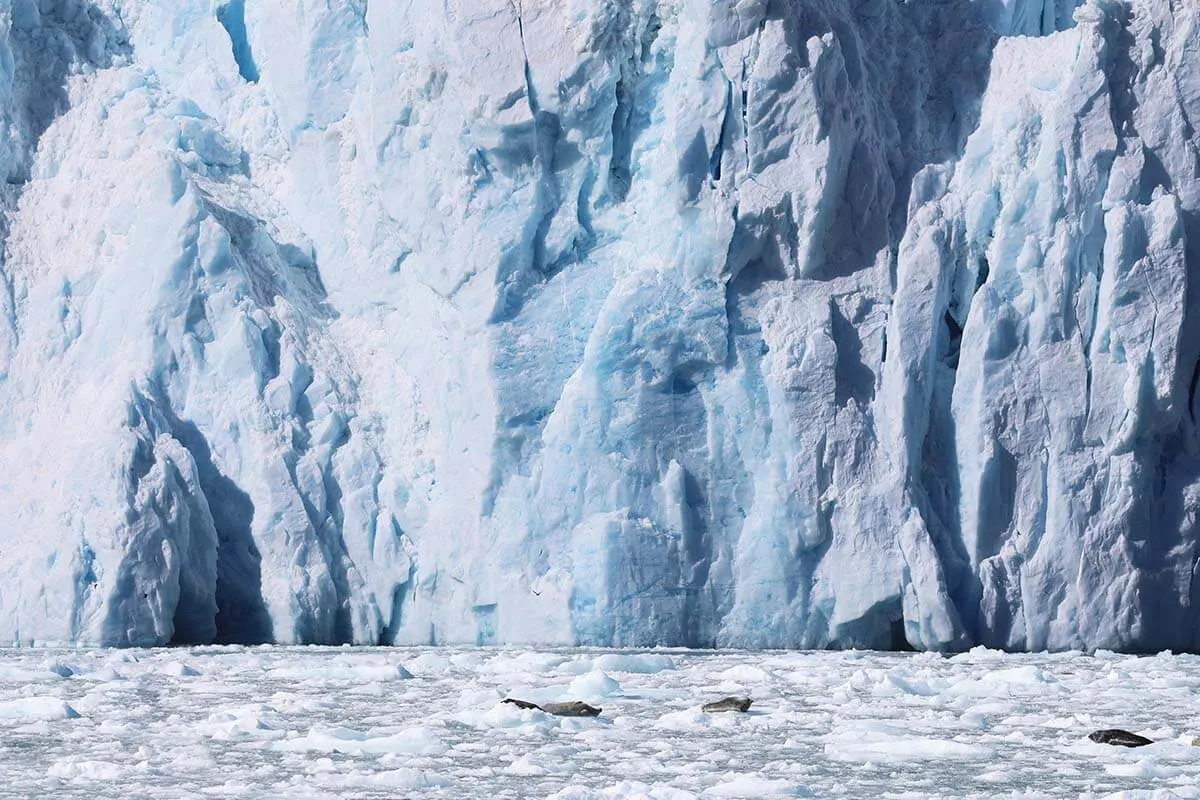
[{"x": 747, "y": 323}]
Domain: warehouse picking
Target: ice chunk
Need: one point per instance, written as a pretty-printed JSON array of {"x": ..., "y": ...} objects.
[{"x": 36, "y": 709}]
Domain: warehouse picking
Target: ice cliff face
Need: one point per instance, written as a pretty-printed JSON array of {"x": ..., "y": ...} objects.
[{"x": 733, "y": 322}]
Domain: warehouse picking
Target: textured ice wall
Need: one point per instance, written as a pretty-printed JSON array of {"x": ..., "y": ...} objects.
[{"x": 761, "y": 323}]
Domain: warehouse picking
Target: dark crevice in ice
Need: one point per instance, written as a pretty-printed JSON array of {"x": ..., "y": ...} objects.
[
  {"x": 619, "y": 174},
  {"x": 242, "y": 615},
  {"x": 954, "y": 333},
  {"x": 226, "y": 607},
  {"x": 400, "y": 598},
  {"x": 1122, "y": 74},
  {"x": 232, "y": 16},
  {"x": 880, "y": 627},
  {"x": 983, "y": 271},
  {"x": 626, "y": 123},
  {"x": 1194, "y": 394},
  {"x": 997, "y": 506},
  {"x": 723, "y": 137}
]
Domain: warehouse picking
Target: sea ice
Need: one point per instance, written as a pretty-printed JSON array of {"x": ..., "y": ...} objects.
[{"x": 276, "y": 721}]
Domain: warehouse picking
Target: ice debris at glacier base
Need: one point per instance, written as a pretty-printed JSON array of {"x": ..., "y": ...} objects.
[
  {"x": 753, "y": 322},
  {"x": 317, "y": 722}
]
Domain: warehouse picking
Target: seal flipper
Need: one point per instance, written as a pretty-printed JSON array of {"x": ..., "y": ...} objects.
[{"x": 521, "y": 704}]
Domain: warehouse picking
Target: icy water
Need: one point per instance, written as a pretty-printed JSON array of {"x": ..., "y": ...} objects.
[{"x": 376, "y": 723}]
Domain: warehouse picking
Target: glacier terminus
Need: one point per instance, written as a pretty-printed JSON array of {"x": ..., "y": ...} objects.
[{"x": 737, "y": 323}]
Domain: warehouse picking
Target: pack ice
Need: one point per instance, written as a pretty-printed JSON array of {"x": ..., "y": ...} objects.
[{"x": 759, "y": 323}]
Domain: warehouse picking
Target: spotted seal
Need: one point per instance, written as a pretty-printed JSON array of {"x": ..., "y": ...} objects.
[
  {"x": 574, "y": 708},
  {"x": 1119, "y": 738},
  {"x": 727, "y": 704}
]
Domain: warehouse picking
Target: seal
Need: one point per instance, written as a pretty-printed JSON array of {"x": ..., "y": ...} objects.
[
  {"x": 1119, "y": 738},
  {"x": 574, "y": 708},
  {"x": 727, "y": 704}
]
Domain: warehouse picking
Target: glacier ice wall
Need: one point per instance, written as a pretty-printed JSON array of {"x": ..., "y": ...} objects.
[{"x": 797, "y": 323}]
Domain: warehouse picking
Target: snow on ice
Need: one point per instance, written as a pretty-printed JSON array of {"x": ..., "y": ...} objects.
[
  {"x": 337, "y": 722},
  {"x": 748, "y": 322}
]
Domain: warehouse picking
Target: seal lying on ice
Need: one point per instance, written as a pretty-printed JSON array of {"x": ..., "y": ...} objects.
[
  {"x": 574, "y": 708},
  {"x": 727, "y": 704},
  {"x": 1119, "y": 738}
]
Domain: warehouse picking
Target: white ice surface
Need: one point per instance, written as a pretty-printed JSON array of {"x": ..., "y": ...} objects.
[{"x": 339, "y": 723}]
